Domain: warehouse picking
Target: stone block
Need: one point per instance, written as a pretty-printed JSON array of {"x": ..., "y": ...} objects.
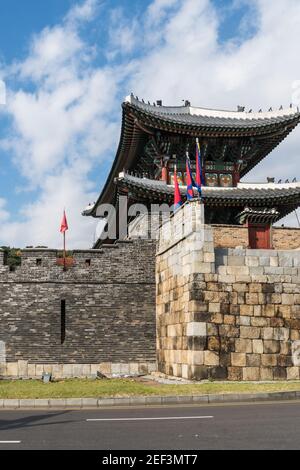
[
  {"x": 271, "y": 347},
  {"x": 269, "y": 360},
  {"x": 280, "y": 373},
  {"x": 268, "y": 333},
  {"x": 269, "y": 310},
  {"x": 211, "y": 358},
  {"x": 259, "y": 321},
  {"x": 209, "y": 258},
  {"x": 238, "y": 359},
  {"x": 266, "y": 373},
  {"x": 255, "y": 288},
  {"x": 287, "y": 299},
  {"x": 243, "y": 345},
  {"x": 77, "y": 370},
  {"x": 229, "y": 319},
  {"x": 258, "y": 347},
  {"x": 213, "y": 343},
  {"x": 12, "y": 369},
  {"x": 23, "y": 368},
  {"x": 214, "y": 307},
  {"x": 198, "y": 373},
  {"x": 236, "y": 261},
  {"x": 252, "y": 261},
  {"x": 240, "y": 287},
  {"x": 218, "y": 373},
  {"x": 196, "y": 357},
  {"x": 196, "y": 329},
  {"x": 133, "y": 368},
  {"x": 253, "y": 360},
  {"x": 212, "y": 329},
  {"x": 251, "y": 373},
  {"x": 247, "y": 310},
  {"x": 67, "y": 370},
  {"x": 235, "y": 373},
  {"x": 281, "y": 334},
  {"x": 57, "y": 371},
  {"x": 250, "y": 332},
  {"x": 243, "y": 320},
  {"x": 293, "y": 373},
  {"x": 238, "y": 270},
  {"x": 31, "y": 370},
  {"x": 251, "y": 299},
  {"x": 229, "y": 331}
]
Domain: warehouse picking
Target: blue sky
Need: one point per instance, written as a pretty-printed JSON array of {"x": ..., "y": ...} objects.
[{"x": 68, "y": 64}]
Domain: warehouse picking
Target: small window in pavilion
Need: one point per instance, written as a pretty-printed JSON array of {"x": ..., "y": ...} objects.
[
  {"x": 39, "y": 262},
  {"x": 88, "y": 263}
]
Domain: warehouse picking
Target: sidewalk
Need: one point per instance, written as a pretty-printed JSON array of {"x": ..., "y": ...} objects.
[{"x": 91, "y": 403}]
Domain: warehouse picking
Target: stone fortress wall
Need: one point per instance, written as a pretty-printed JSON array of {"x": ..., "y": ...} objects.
[
  {"x": 222, "y": 312},
  {"x": 109, "y": 308},
  {"x": 231, "y": 314}
]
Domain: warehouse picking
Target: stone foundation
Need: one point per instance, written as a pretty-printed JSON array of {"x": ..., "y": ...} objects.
[
  {"x": 25, "y": 370},
  {"x": 230, "y": 314}
]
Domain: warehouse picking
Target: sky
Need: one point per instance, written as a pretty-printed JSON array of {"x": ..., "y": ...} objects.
[{"x": 67, "y": 66}]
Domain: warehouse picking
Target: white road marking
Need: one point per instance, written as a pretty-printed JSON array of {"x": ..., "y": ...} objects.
[
  {"x": 150, "y": 419},
  {"x": 10, "y": 442}
]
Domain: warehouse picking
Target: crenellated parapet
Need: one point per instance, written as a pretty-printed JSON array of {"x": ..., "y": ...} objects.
[{"x": 111, "y": 263}]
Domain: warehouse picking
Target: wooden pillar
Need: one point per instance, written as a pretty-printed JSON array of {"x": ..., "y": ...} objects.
[{"x": 165, "y": 174}]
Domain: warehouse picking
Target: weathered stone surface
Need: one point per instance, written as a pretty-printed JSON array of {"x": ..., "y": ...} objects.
[
  {"x": 238, "y": 359},
  {"x": 251, "y": 373},
  {"x": 110, "y": 310}
]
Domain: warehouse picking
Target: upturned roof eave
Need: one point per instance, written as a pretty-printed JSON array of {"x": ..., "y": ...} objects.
[{"x": 121, "y": 158}]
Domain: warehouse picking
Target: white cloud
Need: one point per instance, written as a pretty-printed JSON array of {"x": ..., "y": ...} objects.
[
  {"x": 82, "y": 12},
  {"x": 69, "y": 120},
  {"x": 60, "y": 129}
]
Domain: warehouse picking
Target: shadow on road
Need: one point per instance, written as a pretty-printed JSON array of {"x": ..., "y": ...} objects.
[{"x": 33, "y": 421}]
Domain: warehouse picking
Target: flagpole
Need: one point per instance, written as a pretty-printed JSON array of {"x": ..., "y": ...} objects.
[{"x": 64, "y": 251}]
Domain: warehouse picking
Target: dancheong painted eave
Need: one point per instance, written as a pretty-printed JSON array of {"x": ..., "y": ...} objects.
[{"x": 256, "y": 134}]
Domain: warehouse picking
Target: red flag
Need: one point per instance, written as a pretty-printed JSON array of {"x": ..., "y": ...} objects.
[
  {"x": 177, "y": 195},
  {"x": 64, "y": 224}
]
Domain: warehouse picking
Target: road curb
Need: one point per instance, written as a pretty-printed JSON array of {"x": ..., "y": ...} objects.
[{"x": 92, "y": 403}]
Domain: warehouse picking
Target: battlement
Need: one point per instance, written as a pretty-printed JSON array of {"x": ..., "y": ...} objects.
[{"x": 111, "y": 263}]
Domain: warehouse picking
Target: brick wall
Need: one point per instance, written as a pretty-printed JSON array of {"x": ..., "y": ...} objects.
[
  {"x": 110, "y": 311},
  {"x": 232, "y": 236},
  {"x": 225, "y": 313},
  {"x": 285, "y": 238}
]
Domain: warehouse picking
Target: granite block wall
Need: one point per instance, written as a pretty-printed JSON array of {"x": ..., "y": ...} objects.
[
  {"x": 230, "y": 314},
  {"x": 109, "y": 297}
]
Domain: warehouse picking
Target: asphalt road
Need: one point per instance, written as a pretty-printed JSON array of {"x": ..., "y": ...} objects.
[{"x": 240, "y": 426}]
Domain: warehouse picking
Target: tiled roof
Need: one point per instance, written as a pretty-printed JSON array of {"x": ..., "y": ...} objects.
[
  {"x": 248, "y": 192},
  {"x": 189, "y": 115}
]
